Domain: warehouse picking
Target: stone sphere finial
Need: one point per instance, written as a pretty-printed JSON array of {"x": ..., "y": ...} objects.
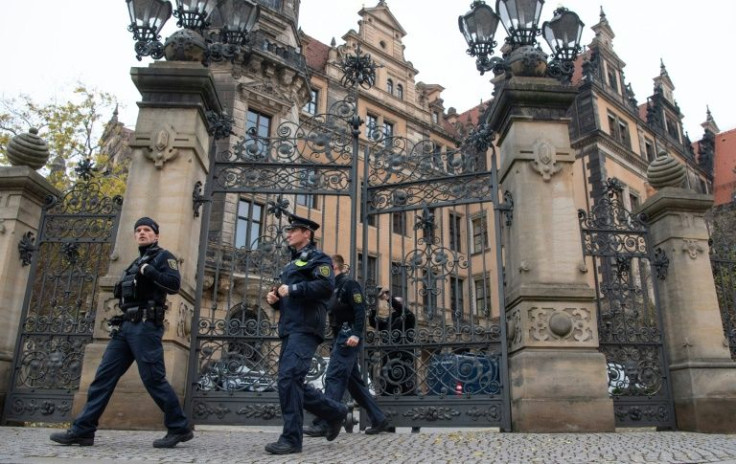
[
  {"x": 185, "y": 45},
  {"x": 665, "y": 171},
  {"x": 28, "y": 150}
]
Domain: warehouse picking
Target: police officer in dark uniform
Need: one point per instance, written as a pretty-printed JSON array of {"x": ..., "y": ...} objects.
[
  {"x": 306, "y": 286},
  {"x": 347, "y": 320},
  {"x": 136, "y": 337}
]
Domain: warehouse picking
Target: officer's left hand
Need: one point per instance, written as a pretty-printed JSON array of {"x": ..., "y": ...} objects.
[{"x": 352, "y": 341}]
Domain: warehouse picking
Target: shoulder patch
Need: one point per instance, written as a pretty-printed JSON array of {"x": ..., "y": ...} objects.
[
  {"x": 358, "y": 298},
  {"x": 324, "y": 270},
  {"x": 173, "y": 264}
]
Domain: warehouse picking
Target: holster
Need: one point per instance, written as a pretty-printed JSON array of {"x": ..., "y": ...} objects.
[{"x": 149, "y": 312}]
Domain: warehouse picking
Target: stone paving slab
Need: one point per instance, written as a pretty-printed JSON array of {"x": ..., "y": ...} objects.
[{"x": 245, "y": 445}]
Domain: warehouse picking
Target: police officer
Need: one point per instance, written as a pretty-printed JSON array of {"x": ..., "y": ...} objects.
[
  {"x": 347, "y": 320},
  {"x": 142, "y": 293},
  {"x": 306, "y": 286}
]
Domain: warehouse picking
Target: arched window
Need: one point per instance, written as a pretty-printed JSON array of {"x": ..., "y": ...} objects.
[
  {"x": 400, "y": 91},
  {"x": 390, "y": 86}
]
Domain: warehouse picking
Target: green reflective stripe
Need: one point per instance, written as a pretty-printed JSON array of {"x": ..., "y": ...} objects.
[{"x": 300, "y": 263}]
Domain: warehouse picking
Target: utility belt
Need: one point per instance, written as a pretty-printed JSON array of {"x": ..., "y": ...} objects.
[
  {"x": 342, "y": 332},
  {"x": 149, "y": 312}
]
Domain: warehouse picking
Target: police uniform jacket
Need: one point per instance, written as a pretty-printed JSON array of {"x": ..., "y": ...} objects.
[
  {"x": 160, "y": 277},
  {"x": 311, "y": 281},
  {"x": 347, "y": 305}
]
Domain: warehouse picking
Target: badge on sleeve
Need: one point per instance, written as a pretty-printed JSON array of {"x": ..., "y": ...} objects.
[
  {"x": 173, "y": 264},
  {"x": 358, "y": 298},
  {"x": 324, "y": 270}
]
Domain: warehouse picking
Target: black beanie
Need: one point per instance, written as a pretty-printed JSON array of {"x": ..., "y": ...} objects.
[{"x": 146, "y": 221}]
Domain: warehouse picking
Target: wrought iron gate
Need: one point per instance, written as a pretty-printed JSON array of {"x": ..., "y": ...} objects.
[
  {"x": 415, "y": 209},
  {"x": 76, "y": 237},
  {"x": 721, "y": 223},
  {"x": 629, "y": 316}
]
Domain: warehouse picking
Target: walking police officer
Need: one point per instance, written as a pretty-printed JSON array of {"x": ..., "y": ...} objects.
[
  {"x": 306, "y": 286},
  {"x": 347, "y": 319},
  {"x": 142, "y": 293}
]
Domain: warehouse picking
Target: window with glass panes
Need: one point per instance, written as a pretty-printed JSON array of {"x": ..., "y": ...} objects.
[
  {"x": 372, "y": 270},
  {"x": 480, "y": 233},
  {"x": 482, "y": 294},
  {"x": 388, "y": 133},
  {"x": 260, "y": 122},
  {"x": 398, "y": 222},
  {"x": 371, "y": 123},
  {"x": 400, "y": 91},
  {"x": 457, "y": 298},
  {"x": 390, "y": 86},
  {"x": 311, "y": 106},
  {"x": 248, "y": 225},
  {"x": 455, "y": 235},
  {"x": 398, "y": 279}
]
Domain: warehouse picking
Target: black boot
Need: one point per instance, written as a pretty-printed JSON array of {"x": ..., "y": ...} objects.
[
  {"x": 172, "y": 439},
  {"x": 278, "y": 447},
  {"x": 70, "y": 438},
  {"x": 378, "y": 428}
]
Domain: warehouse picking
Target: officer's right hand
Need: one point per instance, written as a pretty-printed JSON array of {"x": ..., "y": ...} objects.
[{"x": 271, "y": 297}]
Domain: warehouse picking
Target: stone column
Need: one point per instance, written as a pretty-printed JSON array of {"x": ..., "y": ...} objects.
[
  {"x": 702, "y": 371},
  {"x": 171, "y": 154},
  {"x": 558, "y": 379},
  {"x": 22, "y": 194}
]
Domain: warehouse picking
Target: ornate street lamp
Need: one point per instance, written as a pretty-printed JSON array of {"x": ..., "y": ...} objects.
[
  {"x": 147, "y": 18},
  {"x": 478, "y": 26},
  {"x": 563, "y": 35},
  {"x": 520, "y": 18},
  {"x": 233, "y": 20},
  {"x": 522, "y": 55},
  {"x": 213, "y": 30},
  {"x": 194, "y": 14}
]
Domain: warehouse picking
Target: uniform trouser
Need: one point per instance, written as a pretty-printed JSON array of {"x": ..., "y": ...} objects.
[
  {"x": 140, "y": 342},
  {"x": 343, "y": 372},
  {"x": 295, "y": 395}
]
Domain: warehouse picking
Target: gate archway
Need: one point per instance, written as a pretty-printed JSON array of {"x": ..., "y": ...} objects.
[
  {"x": 629, "y": 316},
  {"x": 450, "y": 368},
  {"x": 75, "y": 241}
]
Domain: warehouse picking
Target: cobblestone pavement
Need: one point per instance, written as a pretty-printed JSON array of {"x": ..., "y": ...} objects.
[{"x": 245, "y": 445}]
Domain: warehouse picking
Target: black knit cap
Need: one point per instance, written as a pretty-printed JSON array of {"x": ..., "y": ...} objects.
[{"x": 146, "y": 221}]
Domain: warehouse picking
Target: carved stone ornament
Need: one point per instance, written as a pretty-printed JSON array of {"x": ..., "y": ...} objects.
[
  {"x": 161, "y": 148},
  {"x": 545, "y": 160},
  {"x": 568, "y": 324},
  {"x": 692, "y": 248}
]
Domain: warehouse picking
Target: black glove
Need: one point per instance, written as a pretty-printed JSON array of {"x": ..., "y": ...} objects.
[{"x": 116, "y": 320}]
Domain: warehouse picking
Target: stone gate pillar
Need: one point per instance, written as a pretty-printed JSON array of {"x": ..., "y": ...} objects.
[
  {"x": 22, "y": 194},
  {"x": 558, "y": 379},
  {"x": 171, "y": 154},
  {"x": 702, "y": 371}
]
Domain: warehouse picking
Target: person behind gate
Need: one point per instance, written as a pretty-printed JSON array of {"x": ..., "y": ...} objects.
[
  {"x": 307, "y": 282},
  {"x": 136, "y": 336},
  {"x": 347, "y": 320}
]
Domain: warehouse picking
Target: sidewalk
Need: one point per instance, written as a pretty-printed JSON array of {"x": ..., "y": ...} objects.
[{"x": 245, "y": 445}]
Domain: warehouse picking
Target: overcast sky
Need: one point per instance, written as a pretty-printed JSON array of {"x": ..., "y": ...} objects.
[{"x": 49, "y": 45}]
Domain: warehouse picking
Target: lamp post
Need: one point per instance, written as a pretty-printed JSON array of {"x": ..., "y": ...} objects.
[
  {"x": 521, "y": 55},
  {"x": 212, "y": 30}
]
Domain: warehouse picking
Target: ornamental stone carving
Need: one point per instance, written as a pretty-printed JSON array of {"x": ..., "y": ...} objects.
[
  {"x": 161, "y": 148},
  {"x": 568, "y": 324},
  {"x": 545, "y": 160},
  {"x": 692, "y": 248}
]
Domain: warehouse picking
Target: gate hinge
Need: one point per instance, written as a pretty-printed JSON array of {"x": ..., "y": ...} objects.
[
  {"x": 507, "y": 207},
  {"x": 197, "y": 198}
]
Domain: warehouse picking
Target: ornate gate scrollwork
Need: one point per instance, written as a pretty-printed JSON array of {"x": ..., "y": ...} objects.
[
  {"x": 629, "y": 316},
  {"x": 75, "y": 240}
]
